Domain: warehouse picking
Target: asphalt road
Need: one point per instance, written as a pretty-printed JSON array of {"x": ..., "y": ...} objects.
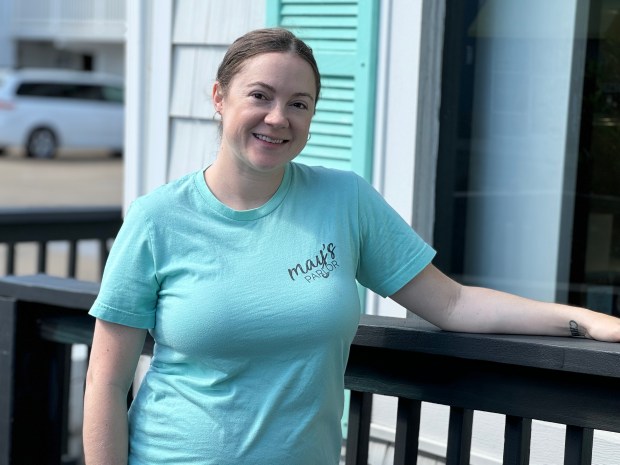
[{"x": 79, "y": 178}]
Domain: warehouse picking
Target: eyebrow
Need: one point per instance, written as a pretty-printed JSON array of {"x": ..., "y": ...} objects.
[{"x": 272, "y": 89}]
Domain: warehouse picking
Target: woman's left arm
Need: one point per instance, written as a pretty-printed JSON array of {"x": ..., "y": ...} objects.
[{"x": 453, "y": 307}]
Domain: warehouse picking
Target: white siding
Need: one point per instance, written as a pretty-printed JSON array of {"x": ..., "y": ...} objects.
[
  {"x": 173, "y": 51},
  {"x": 202, "y": 31}
]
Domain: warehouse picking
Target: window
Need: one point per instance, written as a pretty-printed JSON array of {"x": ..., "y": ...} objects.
[
  {"x": 56, "y": 90},
  {"x": 527, "y": 196},
  {"x": 113, "y": 94}
]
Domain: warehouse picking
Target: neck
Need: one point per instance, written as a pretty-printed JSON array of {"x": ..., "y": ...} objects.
[{"x": 241, "y": 189}]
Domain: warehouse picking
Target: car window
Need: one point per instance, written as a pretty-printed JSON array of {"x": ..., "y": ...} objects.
[
  {"x": 84, "y": 92},
  {"x": 40, "y": 89},
  {"x": 113, "y": 94},
  {"x": 56, "y": 90}
]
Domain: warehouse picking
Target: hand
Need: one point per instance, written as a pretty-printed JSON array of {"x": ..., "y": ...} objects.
[{"x": 599, "y": 326}]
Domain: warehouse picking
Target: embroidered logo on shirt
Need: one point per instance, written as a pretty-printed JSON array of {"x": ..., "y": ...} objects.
[{"x": 318, "y": 267}]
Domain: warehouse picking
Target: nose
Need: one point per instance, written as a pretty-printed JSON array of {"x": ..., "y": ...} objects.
[{"x": 277, "y": 117}]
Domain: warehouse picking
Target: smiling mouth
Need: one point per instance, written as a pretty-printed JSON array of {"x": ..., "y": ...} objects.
[{"x": 269, "y": 139}]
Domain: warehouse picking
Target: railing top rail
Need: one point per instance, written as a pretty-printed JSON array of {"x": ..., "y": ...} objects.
[
  {"x": 546, "y": 352},
  {"x": 51, "y": 290},
  {"x": 12, "y": 215},
  {"x": 59, "y": 223},
  {"x": 408, "y": 335}
]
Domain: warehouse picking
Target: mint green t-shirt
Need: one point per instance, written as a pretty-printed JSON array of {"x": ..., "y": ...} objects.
[{"x": 252, "y": 313}]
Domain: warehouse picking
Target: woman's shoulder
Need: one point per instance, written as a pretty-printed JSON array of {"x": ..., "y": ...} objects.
[
  {"x": 167, "y": 197},
  {"x": 322, "y": 175}
]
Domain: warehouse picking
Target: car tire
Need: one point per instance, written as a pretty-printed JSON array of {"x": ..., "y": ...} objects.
[
  {"x": 2, "y": 151},
  {"x": 41, "y": 143}
]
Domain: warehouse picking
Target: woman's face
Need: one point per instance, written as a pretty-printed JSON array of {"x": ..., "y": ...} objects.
[{"x": 266, "y": 111}]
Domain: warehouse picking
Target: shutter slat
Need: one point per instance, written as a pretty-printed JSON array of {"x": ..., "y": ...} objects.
[
  {"x": 284, "y": 3},
  {"x": 330, "y": 93},
  {"x": 316, "y": 151},
  {"x": 320, "y": 21},
  {"x": 319, "y": 10},
  {"x": 312, "y": 33},
  {"x": 329, "y": 117},
  {"x": 330, "y": 141},
  {"x": 335, "y": 106},
  {"x": 342, "y": 130}
]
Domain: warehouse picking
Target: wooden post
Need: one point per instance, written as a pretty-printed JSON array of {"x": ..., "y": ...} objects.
[
  {"x": 41, "y": 371},
  {"x": 7, "y": 345},
  {"x": 358, "y": 436},
  {"x": 517, "y": 438},
  {"x": 407, "y": 432},
  {"x": 459, "y": 436}
]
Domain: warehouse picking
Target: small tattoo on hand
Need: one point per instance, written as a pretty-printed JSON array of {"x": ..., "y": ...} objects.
[{"x": 575, "y": 330}]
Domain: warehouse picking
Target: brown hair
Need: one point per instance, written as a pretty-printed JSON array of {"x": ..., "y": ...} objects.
[{"x": 260, "y": 41}]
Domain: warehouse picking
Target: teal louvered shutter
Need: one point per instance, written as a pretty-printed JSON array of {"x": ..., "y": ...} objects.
[{"x": 343, "y": 37}]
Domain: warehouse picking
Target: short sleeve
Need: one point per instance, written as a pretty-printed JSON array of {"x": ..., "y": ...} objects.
[
  {"x": 129, "y": 288},
  {"x": 391, "y": 252}
]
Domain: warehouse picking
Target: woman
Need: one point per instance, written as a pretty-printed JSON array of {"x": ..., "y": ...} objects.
[{"x": 245, "y": 274}]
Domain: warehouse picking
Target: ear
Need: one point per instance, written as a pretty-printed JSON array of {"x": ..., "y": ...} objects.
[{"x": 218, "y": 97}]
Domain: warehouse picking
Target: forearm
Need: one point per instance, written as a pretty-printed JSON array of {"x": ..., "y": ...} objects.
[
  {"x": 105, "y": 425},
  {"x": 453, "y": 307},
  {"x": 489, "y": 311}
]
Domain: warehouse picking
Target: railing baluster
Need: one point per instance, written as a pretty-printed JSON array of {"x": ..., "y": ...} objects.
[
  {"x": 517, "y": 439},
  {"x": 407, "y": 432},
  {"x": 578, "y": 445},
  {"x": 42, "y": 256},
  {"x": 358, "y": 435},
  {"x": 10, "y": 258},
  {"x": 103, "y": 255},
  {"x": 459, "y": 436},
  {"x": 72, "y": 260},
  {"x": 8, "y": 317}
]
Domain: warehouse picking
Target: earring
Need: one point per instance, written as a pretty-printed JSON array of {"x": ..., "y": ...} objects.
[{"x": 309, "y": 136}]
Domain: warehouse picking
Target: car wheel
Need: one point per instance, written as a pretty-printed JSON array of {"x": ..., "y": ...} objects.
[
  {"x": 2, "y": 151},
  {"x": 41, "y": 143}
]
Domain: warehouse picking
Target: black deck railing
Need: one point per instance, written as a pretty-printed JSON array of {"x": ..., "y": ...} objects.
[
  {"x": 562, "y": 380},
  {"x": 43, "y": 225}
]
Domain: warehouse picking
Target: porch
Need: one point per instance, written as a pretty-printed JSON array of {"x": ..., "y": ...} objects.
[{"x": 560, "y": 380}]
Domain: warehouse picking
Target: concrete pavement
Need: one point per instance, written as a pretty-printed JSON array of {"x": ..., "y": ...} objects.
[{"x": 74, "y": 178}]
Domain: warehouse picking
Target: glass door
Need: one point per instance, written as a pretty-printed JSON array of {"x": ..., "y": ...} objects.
[{"x": 595, "y": 266}]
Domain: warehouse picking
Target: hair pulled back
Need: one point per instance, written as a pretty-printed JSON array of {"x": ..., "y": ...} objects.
[{"x": 261, "y": 41}]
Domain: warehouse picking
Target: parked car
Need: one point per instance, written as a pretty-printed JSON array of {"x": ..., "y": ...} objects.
[{"x": 44, "y": 110}]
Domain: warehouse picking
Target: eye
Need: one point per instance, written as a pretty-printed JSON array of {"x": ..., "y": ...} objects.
[
  {"x": 300, "y": 105},
  {"x": 258, "y": 95}
]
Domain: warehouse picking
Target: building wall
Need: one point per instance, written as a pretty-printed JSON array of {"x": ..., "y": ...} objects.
[
  {"x": 60, "y": 33},
  {"x": 7, "y": 48}
]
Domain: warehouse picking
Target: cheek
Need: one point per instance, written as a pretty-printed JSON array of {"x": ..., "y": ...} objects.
[{"x": 303, "y": 123}]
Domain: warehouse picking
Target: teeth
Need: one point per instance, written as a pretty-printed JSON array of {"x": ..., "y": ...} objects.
[{"x": 268, "y": 139}]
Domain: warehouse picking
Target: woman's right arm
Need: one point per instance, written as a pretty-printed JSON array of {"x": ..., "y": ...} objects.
[{"x": 113, "y": 361}]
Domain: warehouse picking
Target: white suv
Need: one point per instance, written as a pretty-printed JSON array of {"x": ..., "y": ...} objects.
[{"x": 43, "y": 110}]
